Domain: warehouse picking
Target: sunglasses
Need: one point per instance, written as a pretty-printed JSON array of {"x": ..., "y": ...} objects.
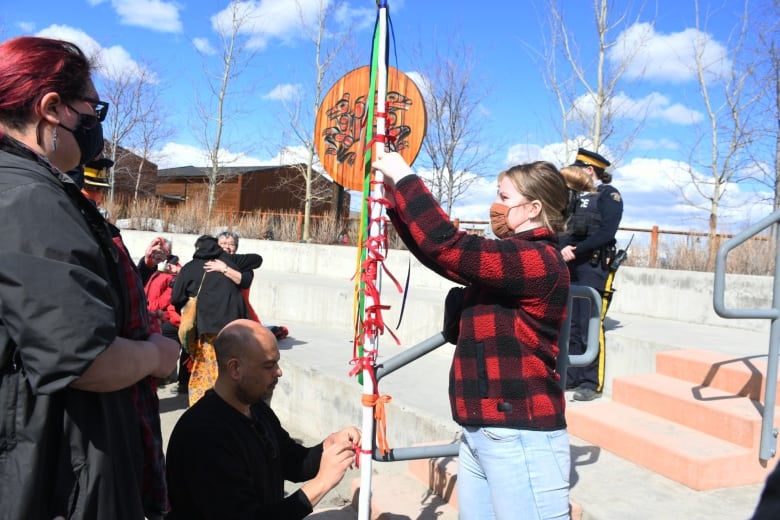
[{"x": 88, "y": 120}]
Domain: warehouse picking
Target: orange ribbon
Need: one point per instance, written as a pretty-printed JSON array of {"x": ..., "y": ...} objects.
[{"x": 378, "y": 403}]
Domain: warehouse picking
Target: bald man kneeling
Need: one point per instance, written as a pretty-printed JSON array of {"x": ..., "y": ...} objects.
[{"x": 228, "y": 455}]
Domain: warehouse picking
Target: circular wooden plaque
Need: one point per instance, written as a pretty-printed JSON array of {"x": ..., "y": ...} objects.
[{"x": 340, "y": 128}]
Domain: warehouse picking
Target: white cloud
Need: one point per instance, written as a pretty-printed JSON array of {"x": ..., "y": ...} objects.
[
  {"x": 174, "y": 155},
  {"x": 648, "y": 187},
  {"x": 523, "y": 153},
  {"x": 557, "y": 153},
  {"x": 64, "y": 32},
  {"x": 667, "y": 58},
  {"x": 652, "y": 106},
  {"x": 422, "y": 83},
  {"x": 292, "y": 155},
  {"x": 263, "y": 20},
  {"x": 677, "y": 114},
  {"x": 26, "y": 27},
  {"x": 150, "y": 14},
  {"x": 267, "y": 20},
  {"x": 656, "y": 144},
  {"x": 652, "y": 197},
  {"x": 111, "y": 62},
  {"x": 285, "y": 92},
  {"x": 204, "y": 46}
]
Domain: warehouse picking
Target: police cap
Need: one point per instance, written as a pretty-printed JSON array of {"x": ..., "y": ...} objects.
[
  {"x": 588, "y": 158},
  {"x": 95, "y": 173}
]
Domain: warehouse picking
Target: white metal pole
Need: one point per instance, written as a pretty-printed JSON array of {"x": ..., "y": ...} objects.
[{"x": 371, "y": 343}]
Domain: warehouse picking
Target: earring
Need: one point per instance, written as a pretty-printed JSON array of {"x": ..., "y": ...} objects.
[{"x": 54, "y": 140}]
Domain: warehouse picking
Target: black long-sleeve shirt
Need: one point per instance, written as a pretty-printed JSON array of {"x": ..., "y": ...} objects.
[{"x": 224, "y": 465}]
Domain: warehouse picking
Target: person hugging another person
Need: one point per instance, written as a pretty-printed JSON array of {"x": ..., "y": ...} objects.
[
  {"x": 216, "y": 278},
  {"x": 504, "y": 390},
  {"x": 228, "y": 241}
]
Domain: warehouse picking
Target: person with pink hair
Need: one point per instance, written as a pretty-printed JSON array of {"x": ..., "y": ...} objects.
[{"x": 72, "y": 349}]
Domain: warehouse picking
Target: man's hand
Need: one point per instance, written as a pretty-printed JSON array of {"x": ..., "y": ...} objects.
[
  {"x": 349, "y": 434},
  {"x": 338, "y": 455}
]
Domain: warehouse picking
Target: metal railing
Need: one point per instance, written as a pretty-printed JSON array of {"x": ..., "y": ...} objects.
[
  {"x": 768, "y": 431},
  {"x": 437, "y": 340}
]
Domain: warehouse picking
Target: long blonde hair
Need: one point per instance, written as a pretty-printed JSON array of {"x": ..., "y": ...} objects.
[
  {"x": 577, "y": 179},
  {"x": 541, "y": 181}
]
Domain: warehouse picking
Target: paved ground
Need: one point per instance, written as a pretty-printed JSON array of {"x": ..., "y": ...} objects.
[{"x": 608, "y": 487}]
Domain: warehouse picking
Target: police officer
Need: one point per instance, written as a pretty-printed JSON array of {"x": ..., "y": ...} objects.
[
  {"x": 95, "y": 177},
  {"x": 588, "y": 247}
]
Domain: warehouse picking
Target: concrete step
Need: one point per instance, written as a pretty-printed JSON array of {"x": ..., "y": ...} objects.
[
  {"x": 743, "y": 376},
  {"x": 439, "y": 475},
  {"x": 688, "y": 456},
  {"x": 712, "y": 411},
  {"x": 396, "y": 496}
]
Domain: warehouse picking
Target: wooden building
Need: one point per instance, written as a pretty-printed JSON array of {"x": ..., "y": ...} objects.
[
  {"x": 252, "y": 188},
  {"x": 133, "y": 175}
]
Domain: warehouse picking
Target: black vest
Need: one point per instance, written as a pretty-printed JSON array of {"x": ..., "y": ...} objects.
[{"x": 586, "y": 218}]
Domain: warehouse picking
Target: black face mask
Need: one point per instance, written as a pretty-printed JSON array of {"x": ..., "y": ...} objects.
[{"x": 90, "y": 140}]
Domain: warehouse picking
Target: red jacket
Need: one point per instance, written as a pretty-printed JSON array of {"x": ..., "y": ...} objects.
[
  {"x": 503, "y": 369},
  {"x": 158, "y": 293}
]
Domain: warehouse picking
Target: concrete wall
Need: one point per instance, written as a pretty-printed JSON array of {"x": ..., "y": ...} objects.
[{"x": 295, "y": 275}]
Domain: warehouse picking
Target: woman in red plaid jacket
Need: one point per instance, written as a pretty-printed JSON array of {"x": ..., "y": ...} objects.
[{"x": 504, "y": 389}]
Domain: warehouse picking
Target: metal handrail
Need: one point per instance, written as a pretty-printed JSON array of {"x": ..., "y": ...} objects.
[
  {"x": 768, "y": 431},
  {"x": 437, "y": 340},
  {"x": 565, "y": 360}
]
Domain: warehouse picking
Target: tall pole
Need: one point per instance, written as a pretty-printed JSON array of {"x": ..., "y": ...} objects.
[{"x": 376, "y": 230}]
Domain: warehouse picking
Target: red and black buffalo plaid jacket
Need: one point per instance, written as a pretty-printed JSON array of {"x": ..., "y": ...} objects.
[{"x": 503, "y": 369}]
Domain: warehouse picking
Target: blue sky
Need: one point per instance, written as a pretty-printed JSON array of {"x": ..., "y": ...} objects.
[{"x": 518, "y": 111}]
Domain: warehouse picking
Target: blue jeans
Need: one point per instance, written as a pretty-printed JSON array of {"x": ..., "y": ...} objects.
[{"x": 512, "y": 474}]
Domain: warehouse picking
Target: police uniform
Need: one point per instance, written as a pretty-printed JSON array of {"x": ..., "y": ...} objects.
[{"x": 591, "y": 229}]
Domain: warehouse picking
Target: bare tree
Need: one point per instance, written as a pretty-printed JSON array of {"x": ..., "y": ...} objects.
[
  {"x": 766, "y": 79},
  {"x": 235, "y": 54},
  {"x": 327, "y": 45},
  {"x": 587, "y": 96},
  {"x": 150, "y": 132},
  {"x": 774, "y": 55},
  {"x": 133, "y": 98},
  {"x": 722, "y": 147},
  {"x": 452, "y": 147}
]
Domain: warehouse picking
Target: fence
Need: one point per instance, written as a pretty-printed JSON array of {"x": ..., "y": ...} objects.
[{"x": 655, "y": 234}]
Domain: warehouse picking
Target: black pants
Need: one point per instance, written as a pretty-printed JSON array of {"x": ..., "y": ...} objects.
[{"x": 591, "y": 376}]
